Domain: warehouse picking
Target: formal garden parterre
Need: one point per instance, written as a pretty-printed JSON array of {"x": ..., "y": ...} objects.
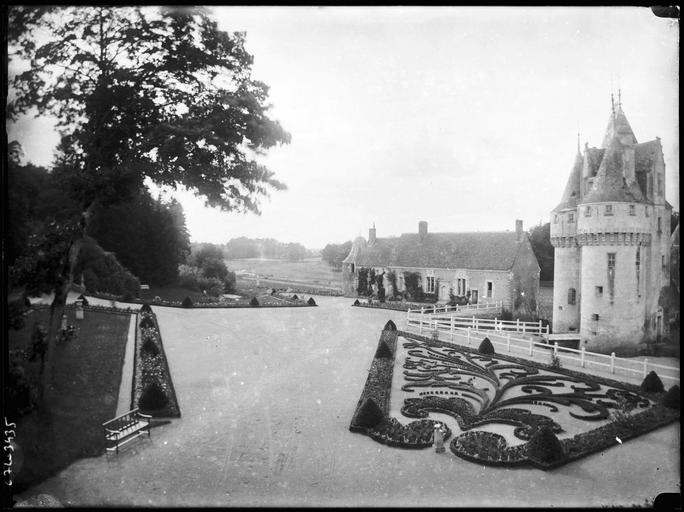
[{"x": 557, "y": 415}]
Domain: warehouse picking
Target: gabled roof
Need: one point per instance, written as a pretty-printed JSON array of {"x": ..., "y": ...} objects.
[
  {"x": 480, "y": 251},
  {"x": 645, "y": 155},
  {"x": 571, "y": 194},
  {"x": 610, "y": 184}
]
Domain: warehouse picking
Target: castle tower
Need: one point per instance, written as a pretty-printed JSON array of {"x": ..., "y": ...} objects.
[{"x": 611, "y": 238}]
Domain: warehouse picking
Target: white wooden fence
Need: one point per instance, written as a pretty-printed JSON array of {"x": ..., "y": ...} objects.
[
  {"x": 528, "y": 346},
  {"x": 465, "y": 309}
]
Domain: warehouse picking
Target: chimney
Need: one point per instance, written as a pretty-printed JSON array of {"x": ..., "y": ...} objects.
[
  {"x": 422, "y": 229},
  {"x": 371, "y": 235},
  {"x": 519, "y": 229}
]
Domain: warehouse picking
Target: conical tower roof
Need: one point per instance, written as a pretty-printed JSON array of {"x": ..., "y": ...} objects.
[
  {"x": 610, "y": 183},
  {"x": 618, "y": 126},
  {"x": 571, "y": 195}
]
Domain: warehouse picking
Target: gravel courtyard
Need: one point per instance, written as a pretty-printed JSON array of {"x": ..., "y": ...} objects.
[{"x": 266, "y": 397}]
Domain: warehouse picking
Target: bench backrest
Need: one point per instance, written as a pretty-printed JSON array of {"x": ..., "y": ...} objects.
[{"x": 122, "y": 422}]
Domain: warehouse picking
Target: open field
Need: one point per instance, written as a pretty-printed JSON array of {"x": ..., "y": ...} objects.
[
  {"x": 310, "y": 271},
  {"x": 86, "y": 378},
  {"x": 267, "y": 397}
]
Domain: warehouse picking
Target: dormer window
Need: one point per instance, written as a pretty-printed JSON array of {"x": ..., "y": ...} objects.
[
  {"x": 632, "y": 209},
  {"x": 608, "y": 210}
]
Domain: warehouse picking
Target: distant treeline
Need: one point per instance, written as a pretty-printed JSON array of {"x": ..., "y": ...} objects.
[{"x": 244, "y": 247}]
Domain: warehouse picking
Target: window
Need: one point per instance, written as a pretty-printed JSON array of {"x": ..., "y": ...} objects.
[
  {"x": 646, "y": 211},
  {"x": 632, "y": 210},
  {"x": 662, "y": 260},
  {"x": 587, "y": 211},
  {"x": 400, "y": 284},
  {"x": 571, "y": 217},
  {"x": 429, "y": 284},
  {"x": 555, "y": 219},
  {"x": 660, "y": 227},
  {"x": 609, "y": 210},
  {"x": 659, "y": 180},
  {"x": 599, "y": 291},
  {"x": 352, "y": 268},
  {"x": 595, "y": 317},
  {"x": 611, "y": 275},
  {"x": 638, "y": 269},
  {"x": 572, "y": 296},
  {"x": 489, "y": 289},
  {"x": 460, "y": 287}
]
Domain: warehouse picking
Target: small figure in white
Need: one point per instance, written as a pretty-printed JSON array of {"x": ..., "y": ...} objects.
[
  {"x": 64, "y": 323},
  {"x": 439, "y": 438}
]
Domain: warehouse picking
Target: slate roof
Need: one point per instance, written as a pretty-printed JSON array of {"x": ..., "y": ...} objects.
[
  {"x": 594, "y": 155},
  {"x": 610, "y": 184},
  {"x": 618, "y": 126},
  {"x": 480, "y": 251},
  {"x": 571, "y": 194},
  {"x": 645, "y": 155}
]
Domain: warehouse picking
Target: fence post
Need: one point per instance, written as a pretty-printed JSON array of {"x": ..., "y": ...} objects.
[
  {"x": 473, "y": 320},
  {"x": 645, "y": 366},
  {"x": 452, "y": 328},
  {"x": 420, "y": 327},
  {"x": 547, "y": 329},
  {"x": 508, "y": 342},
  {"x": 582, "y": 353},
  {"x": 517, "y": 325},
  {"x": 531, "y": 347},
  {"x": 523, "y": 327},
  {"x": 468, "y": 335},
  {"x": 555, "y": 348},
  {"x": 612, "y": 362},
  {"x": 477, "y": 324},
  {"x": 540, "y": 327}
]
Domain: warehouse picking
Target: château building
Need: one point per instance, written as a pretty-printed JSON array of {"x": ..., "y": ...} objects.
[{"x": 611, "y": 237}]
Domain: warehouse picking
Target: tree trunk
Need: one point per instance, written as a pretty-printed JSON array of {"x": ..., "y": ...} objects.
[{"x": 57, "y": 307}]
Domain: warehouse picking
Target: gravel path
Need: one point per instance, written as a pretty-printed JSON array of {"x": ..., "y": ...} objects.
[{"x": 266, "y": 398}]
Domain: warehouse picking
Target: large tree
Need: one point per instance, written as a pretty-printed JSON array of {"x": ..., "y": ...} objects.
[{"x": 158, "y": 93}]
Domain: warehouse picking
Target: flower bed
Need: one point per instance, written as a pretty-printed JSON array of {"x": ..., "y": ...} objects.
[
  {"x": 433, "y": 365},
  {"x": 153, "y": 390}
]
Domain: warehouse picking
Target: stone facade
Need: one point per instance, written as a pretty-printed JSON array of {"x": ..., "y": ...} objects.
[
  {"x": 611, "y": 238},
  {"x": 498, "y": 266}
]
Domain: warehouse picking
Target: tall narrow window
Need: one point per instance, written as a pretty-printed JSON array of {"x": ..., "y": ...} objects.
[
  {"x": 352, "y": 268},
  {"x": 571, "y": 217},
  {"x": 490, "y": 289},
  {"x": 638, "y": 269},
  {"x": 659, "y": 181},
  {"x": 609, "y": 209},
  {"x": 632, "y": 209},
  {"x": 429, "y": 284},
  {"x": 660, "y": 227},
  {"x": 572, "y": 296},
  {"x": 587, "y": 211},
  {"x": 611, "y": 275}
]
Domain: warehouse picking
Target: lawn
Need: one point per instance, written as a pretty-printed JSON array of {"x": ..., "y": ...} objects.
[
  {"x": 312, "y": 271},
  {"x": 87, "y": 377}
]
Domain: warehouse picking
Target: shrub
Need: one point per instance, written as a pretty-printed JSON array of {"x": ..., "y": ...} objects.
[
  {"x": 311, "y": 301},
  {"x": 146, "y": 308},
  {"x": 672, "y": 398},
  {"x": 555, "y": 361},
  {"x": 544, "y": 446},
  {"x": 369, "y": 414},
  {"x": 127, "y": 297},
  {"x": 187, "y": 302},
  {"x": 506, "y": 315},
  {"x": 652, "y": 383},
  {"x": 383, "y": 351},
  {"x": 147, "y": 322},
  {"x": 152, "y": 398},
  {"x": 390, "y": 326},
  {"x": 254, "y": 302},
  {"x": 149, "y": 348},
  {"x": 294, "y": 297},
  {"x": 356, "y": 303},
  {"x": 486, "y": 347},
  {"x": 83, "y": 299},
  {"x": 15, "y": 312}
]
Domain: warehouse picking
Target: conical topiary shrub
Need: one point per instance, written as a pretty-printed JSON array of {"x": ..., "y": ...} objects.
[
  {"x": 187, "y": 302},
  {"x": 149, "y": 348},
  {"x": 390, "y": 326},
  {"x": 383, "y": 350},
  {"x": 356, "y": 303},
  {"x": 254, "y": 302},
  {"x": 652, "y": 383},
  {"x": 672, "y": 398},
  {"x": 544, "y": 446},
  {"x": 146, "y": 308},
  {"x": 294, "y": 297},
  {"x": 486, "y": 347},
  {"x": 152, "y": 398},
  {"x": 146, "y": 323},
  {"x": 369, "y": 414},
  {"x": 83, "y": 299},
  {"x": 311, "y": 301}
]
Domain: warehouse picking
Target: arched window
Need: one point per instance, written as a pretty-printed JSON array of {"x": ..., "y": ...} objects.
[
  {"x": 352, "y": 268},
  {"x": 572, "y": 296}
]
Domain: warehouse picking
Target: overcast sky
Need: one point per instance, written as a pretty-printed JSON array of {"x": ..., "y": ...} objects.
[{"x": 466, "y": 118}]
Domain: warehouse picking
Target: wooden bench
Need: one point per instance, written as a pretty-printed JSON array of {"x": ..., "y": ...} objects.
[{"x": 125, "y": 428}]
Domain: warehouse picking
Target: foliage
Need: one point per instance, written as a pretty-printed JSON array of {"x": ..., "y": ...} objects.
[
  {"x": 672, "y": 398},
  {"x": 102, "y": 271},
  {"x": 153, "y": 398},
  {"x": 362, "y": 288},
  {"x": 369, "y": 415},
  {"x": 187, "y": 302},
  {"x": 555, "y": 361},
  {"x": 149, "y": 348},
  {"x": 21, "y": 392},
  {"x": 413, "y": 287},
  {"x": 334, "y": 254},
  {"x": 544, "y": 446},
  {"x": 147, "y": 322},
  {"x": 311, "y": 301},
  {"x": 356, "y": 303},
  {"x": 486, "y": 347},
  {"x": 383, "y": 351},
  {"x": 243, "y": 247},
  {"x": 540, "y": 238},
  {"x": 254, "y": 302},
  {"x": 16, "y": 310},
  {"x": 652, "y": 383},
  {"x": 622, "y": 414},
  {"x": 392, "y": 279},
  {"x": 457, "y": 300},
  {"x": 207, "y": 271}
]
